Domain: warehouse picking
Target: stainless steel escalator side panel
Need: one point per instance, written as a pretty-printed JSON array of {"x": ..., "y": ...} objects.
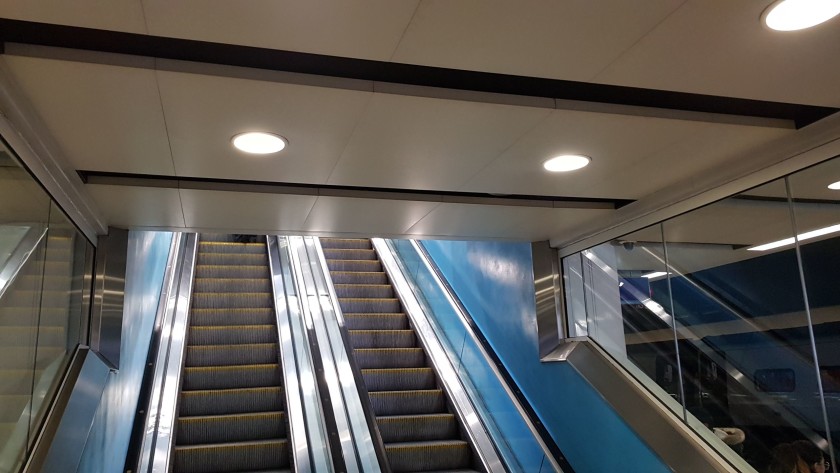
[
  {"x": 360, "y": 414},
  {"x": 448, "y": 375},
  {"x": 21, "y": 254},
  {"x": 462, "y": 316},
  {"x": 159, "y": 431}
]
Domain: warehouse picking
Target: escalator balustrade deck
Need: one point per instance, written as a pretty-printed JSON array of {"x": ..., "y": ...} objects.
[
  {"x": 232, "y": 405},
  {"x": 419, "y": 431}
]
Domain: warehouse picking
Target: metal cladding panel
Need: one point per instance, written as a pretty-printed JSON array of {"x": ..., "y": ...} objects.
[{"x": 109, "y": 295}]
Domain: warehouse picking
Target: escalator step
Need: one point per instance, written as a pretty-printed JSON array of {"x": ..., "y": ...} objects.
[
  {"x": 17, "y": 358},
  {"x": 380, "y": 321},
  {"x": 427, "y": 401},
  {"x": 369, "y": 304},
  {"x": 223, "y": 355},
  {"x": 390, "y": 357},
  {"x": 359, "y": 277},
  {"x": 225, "y": 401},
  {"x": 240, "y": 316},
  {"x": 231, "y": 271},
  {"x": 349, "y": 254},
  {"x": 233, "y": 259},
  {"x": 230, "y": 247},
  {"x": 366, "y": 266},
  {"x": 229, "y": 377},
  {"x": 346, "y": 243},
  {"x": 364, "y": 290},
  {"x": 232, "y": 285},
  {"x": 392, "y": 379},
  {"x": 47, "y": 336},
  {"x": 228, "y": 427},
  {"x": 417, "y": 427},
  {"x": 17, "y": 381},
  {"x": 232, "y": 334},
  {"x": 47, "y": 316},
  {"x": 230, "y": 300},
  {"x": 382, "y": 338},
  {"x": 12, "y": 406},
  {"x": 226, "y": 457},
  {"x": 429, "y": 455}
]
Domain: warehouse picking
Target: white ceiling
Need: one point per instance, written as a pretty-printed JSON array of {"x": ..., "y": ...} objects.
[{"x": 153, "y": 121}]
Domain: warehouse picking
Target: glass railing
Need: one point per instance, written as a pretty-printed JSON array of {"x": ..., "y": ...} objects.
[{"x": 515, "y": 437}]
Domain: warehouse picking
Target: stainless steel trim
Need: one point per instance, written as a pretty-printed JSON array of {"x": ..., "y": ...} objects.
[
  {"x": 162, "y": 331},
  {"x": 551, "y": 314},
  {"x": 463, "y": 317},
  {"x": 359, "y": 410},
  {"x": 109, "y": 295},
  {"x": 61, "y": 442},
  {"x": 446, "y": 372},
  {"x": 21, "y": 254},
  {"x": 681, "y": 448}
]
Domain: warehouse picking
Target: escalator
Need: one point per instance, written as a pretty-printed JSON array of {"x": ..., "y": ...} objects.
[
  {"x": 231, "y": 413},
  {"x": 417, "y": 426}
]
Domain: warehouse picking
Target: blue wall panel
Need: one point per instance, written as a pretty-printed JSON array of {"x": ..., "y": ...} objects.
[
  {"x": 107, "y": 445},
  {"x": 495, "y": 283}
]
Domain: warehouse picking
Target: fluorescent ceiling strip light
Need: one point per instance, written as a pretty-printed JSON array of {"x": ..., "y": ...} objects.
[
  {"x": 655, "y": 274},
  {"x": 802, "y": 237}
]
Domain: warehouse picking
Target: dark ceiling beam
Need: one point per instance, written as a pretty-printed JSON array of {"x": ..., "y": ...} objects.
[{"x": 43, "y": 34}]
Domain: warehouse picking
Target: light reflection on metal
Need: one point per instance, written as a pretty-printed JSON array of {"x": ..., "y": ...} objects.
[
  {"x": 20, "y": 255},
  {"x": 443, "y": 366}
]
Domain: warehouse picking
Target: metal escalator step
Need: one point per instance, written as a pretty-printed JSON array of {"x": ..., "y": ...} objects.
[
  {"x": 19, "y": 358},
  {"x": 349, "y": 254},
  {"x": 226, "y": 401},
  {"x": 346, "y": 243},
  {"x": 364, "y": 290},
  {"x": 231, "y": 427},
  {"x": 47, "y": 316},
  {"x": 12, "y": 406},
  {"x": 390, "y": 357},
  {"x": 432, "y": 455},
  {"x": 230, "y": 300},
  {"x": 17, "y": 381},
  {"x": 6, "y": 429},
  {"x": 413, "y": 428},
  {"x": 377, "y": 321},
  {"x": 227, "y": 377},
  {"x": 232, "y": 334},
  {"x": 231, "y": 271},
  {"x": 394, "y": 379},
  {"x": 223, "y": 355},
  {"x": 370, "y": 304},
  {"x": 421, "y": 401},
  {"x": 367, "y": 266},
  {"x": 234, "y": 259},
  {"x": 232, "y": 285},
  {"x": 224, "y": 316},
  {"x": 226, "y": 457},
  {"x": 382, "y": 338},
  {"x": 359, "y": 277},
  {"x": 47, "y": 336},
  {"x": 230, "y": 247}
]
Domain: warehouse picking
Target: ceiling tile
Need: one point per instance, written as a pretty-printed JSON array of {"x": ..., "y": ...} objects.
[
  {"x": 565, "y": 40},
  {"x": 420, "y": 143},
  {"x": 105, "y": 118},
  {"x": 126, "y": 15},
  {"x": 367, "y": 30},
  {"x": 245, "y": 211},
  {"x": 365, "y": 216},
  {"x": 631, "y": 156},
  {"x": 138, "y": 206},
  {"x": 204, "y": 112},
  {"x": 720, "y": 47}
]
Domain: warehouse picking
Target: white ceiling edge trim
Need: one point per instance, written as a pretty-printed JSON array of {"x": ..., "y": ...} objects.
[
  {"x": 783, "y": 156},
  {"x": 30, "y": 140}
]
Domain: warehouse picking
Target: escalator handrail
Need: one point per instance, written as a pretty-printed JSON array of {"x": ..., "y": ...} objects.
[
  {"x": 447, "y": 374},
  {"x": 20, "y": 256}
]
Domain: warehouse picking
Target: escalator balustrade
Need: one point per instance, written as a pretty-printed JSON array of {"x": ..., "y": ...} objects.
[
  {"x": 232, "y": 404},
  {"x": 418, "y": 429}
]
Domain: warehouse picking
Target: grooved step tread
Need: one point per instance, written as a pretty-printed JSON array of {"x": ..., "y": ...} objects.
[{"x": 232, "y": 445}]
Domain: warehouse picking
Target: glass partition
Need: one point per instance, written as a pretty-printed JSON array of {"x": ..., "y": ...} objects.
[{"x": 44, "y": 261}]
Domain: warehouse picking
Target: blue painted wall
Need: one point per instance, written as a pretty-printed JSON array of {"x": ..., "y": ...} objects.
[
  {"x": 495, "y": 283},
  {"x": 107, "y": 444}
]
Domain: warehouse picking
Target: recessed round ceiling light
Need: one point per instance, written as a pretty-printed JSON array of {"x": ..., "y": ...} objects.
[
  {"x": 792, "y": 15},
  {"x": 566, "y": 163},
  {"x": 258, "y": 142},
  {"x": 835, "y": 186}
]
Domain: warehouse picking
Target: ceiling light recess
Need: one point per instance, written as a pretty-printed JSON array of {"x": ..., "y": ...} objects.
[
  {"x": 792, "y": 15},
  {"x": 566, "y": 163},
  {"x": 802, "y": 236},
  {"x": 835, "y": 186},
  {"x": 256, "y": 142}
]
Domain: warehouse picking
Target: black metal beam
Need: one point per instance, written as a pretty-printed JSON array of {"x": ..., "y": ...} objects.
[{"x": 44, "y": 34}]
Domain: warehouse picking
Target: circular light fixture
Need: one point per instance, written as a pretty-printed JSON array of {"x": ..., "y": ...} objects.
[
  {"x": 566, "y": 163},
  {"x": 792, "y": 15},
  {"x": 256, "y": 142},
  {"x": 835, "y": 186}
]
